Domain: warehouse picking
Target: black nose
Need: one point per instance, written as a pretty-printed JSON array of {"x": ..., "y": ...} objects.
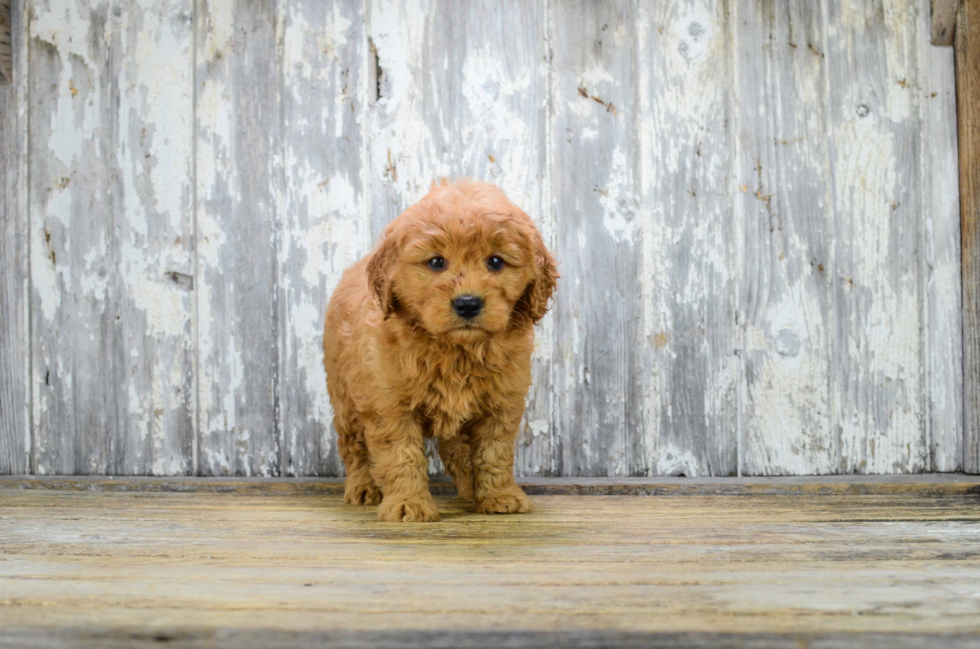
[{"x": 467, "y": 306}]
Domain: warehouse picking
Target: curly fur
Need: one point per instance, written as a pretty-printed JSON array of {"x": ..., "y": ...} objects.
[{"x": 402, "y": 366}]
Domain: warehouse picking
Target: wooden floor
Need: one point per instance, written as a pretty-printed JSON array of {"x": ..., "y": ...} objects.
[{"x": 277, "y": 563}]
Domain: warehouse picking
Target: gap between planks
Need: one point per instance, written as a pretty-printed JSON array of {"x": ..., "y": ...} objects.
[{"x": 931, "y": 484}]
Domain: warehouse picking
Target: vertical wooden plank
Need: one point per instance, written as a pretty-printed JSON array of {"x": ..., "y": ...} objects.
[
  {"x": 875, "y": 147},
  {"x": 942, "y": 27},
  {"x": 968, "y": 132},
  {"x": 407, "y": 147},
  {"x": 238, "y": 124},
  {"x": 111, "y": 237},
  {"x": 72, "y": 148},
  {"x": 323, "y": 229},
  {"x": 15, "y": 384},
  {"x": 490, "y": 81},
  {"x": 152, "y": 281},
  {"x": 462, "y": 92},
  {"x": 689, "y": 384},
  {"x": 938, "y": 171},
  {"x": 783, "y": 196},
  {"x": 595, "y": 197},
  {"x": 405, "y": 155},
  {"x": 7, "y": 47}
]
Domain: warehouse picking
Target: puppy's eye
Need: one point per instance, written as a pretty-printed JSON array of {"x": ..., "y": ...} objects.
[
  {"x": 437, "y": 263},
  {"x": 495, "y": 263}
]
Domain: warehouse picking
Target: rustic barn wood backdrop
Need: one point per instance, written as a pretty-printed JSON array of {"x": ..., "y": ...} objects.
[{"x": 754, "y": 203}]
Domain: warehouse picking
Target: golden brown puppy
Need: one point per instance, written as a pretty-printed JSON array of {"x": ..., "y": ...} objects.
[{"x": 431, "y": 335}]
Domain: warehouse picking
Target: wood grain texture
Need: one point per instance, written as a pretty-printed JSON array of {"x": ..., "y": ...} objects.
[
  {"x": 875, "y": 146},
  {"x": 940, "y": 241},
  {"x": 74, "y": 314},
  {"x": 968, "y": 122},
  {"x": 686, "y": 372},
  {"x": 170, "y": 564},
  {"x": 112, "y": 237},
  {"x": 598, "y": 399},
  {"x": 153, "y": 237},
  {"x": 943, "y": 24},
  {"x": 15, "y": 340},
  {"x": 238, "y": 135},
  {"x": 784, "y": 198},
  {"x": 8, "y": 48},
  {"x": 404, "y": 154},
  {"x": 752, "y": 204},
  {"x": 463, "y": 91},
  {"x": 325, "y": 88},
  {"x": 109, "y": 638}
]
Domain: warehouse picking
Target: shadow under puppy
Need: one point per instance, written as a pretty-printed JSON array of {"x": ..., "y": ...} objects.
[{"x": 431, "y": 335}]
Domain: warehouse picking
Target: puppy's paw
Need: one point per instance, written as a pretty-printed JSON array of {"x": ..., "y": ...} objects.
[
  {"x": 361, "y": 493},
  {"x": 508, "y": 501},
  {"x": 395, "y": 509}
]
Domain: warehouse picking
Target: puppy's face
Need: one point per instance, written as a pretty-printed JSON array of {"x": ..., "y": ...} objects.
[
  {"x": 464, "y": 263},
  {"x": 463, "y": 279}
]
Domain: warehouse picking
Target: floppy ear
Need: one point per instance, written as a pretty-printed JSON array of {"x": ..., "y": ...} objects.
[
  {"x": 543, "y": 285},
  {"x": 379, "y": 274}
]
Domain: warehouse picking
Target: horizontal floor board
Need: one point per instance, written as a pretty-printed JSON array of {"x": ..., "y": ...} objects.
[
  {"x": 281, "y": 566},
  {"x": 206, "y": 638}
]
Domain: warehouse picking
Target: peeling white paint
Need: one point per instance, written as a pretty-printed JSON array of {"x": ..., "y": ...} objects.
[
  {"x": 403, "y": 155},
  {"x": 326, "y": 244},
  {"x": 619, "y": 207},
  {"x": 306, "y": 333},
  {"x": 673, "y": 461},
  {"x": 512, "y": 104},
  {"x": 61, "y": 25}
]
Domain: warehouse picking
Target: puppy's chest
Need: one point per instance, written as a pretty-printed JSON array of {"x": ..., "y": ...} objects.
[
  {"x": 448, "y": 397},
  {"x": 457, "y": 397}
]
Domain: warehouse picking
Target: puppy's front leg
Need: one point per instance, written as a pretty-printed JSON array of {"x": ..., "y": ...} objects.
[
  {"x": 399, "y": 467},
  {"x": 495, "y": 490}
]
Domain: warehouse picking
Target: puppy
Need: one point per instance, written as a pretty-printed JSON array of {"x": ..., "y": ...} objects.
[{"x": 431, "y": 335}]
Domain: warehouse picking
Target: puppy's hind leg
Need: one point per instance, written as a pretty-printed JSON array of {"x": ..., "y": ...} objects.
[
  {"x": 455, "y": 455},
  {"x": 359, "y": 486}
]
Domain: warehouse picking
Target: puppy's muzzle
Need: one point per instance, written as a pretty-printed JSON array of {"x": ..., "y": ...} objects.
[{"x": 467, "y": 306}]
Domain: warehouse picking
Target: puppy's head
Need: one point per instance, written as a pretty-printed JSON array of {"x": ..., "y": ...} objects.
[{"x": 464, "y": 263}]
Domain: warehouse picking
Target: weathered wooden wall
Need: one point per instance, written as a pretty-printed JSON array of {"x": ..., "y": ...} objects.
[
  {"x": 15, "y": 427},
  {"x": 754, "y": 204},
  {"x": 968, "y": 94}
]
